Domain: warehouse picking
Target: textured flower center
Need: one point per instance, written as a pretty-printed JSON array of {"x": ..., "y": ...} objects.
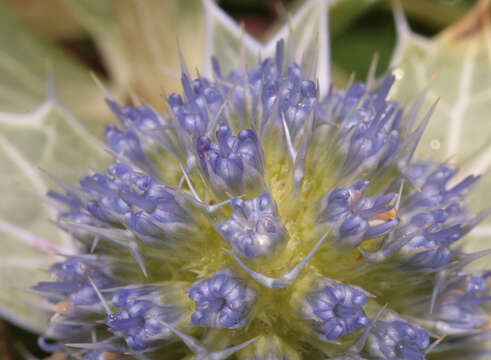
[
  {"x": 259, "y": 219},
  {"x": 217, "y": 305}
]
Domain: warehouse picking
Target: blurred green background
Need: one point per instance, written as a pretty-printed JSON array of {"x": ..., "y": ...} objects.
[{"x": 130, "y": 45}]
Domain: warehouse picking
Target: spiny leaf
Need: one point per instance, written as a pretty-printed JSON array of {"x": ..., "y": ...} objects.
[
  {"x": 150, "y": 33},
  {"x": 97, "y": 16},
  {"x": 26, "y": 57},
  {"x": 436, "y": 12},
  {"x": 306, "y": 34},
  {"x": 49, "y": 138},
  {"x": 139, "y": 39},
  {"x": 57, "y": 23},
  {"x": 226, "y": 40},
  {"x": 459, "y": 61},
  {"x": 343, "y": 13}
]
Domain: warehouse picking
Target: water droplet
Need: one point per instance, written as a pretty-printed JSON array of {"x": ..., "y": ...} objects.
[
  {"x": 398, "y": 73},
  {"x": 435, "y": 144}
]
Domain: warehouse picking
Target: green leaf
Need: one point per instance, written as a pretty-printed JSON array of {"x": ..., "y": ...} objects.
[
  {"x": 308, "y": 25},
  {"x": 25, "y": 59},
  {"x": 459, "y": 62},
  {"x": 150, "y": 32},
  {"x": 306, "y": 32},
  {"x": 438, "y": 13},
  {"x": 343, "y": 13},
  {"x": 354, "y": 49},
  {"x": 48, "y": 138},
  {"x": 97, "y": 16},
  {"x": 138, "y": 38},
  {"x": 57, "y": 23}
]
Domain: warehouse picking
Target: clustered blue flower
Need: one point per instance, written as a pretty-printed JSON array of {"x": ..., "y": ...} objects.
[
  {"x": 336, "y": 310},
  {"x": 232, "y": 164},
  {"x": 260, "y": 219},
  {"x": 140, "y": 312},
  {"x": 254, "y": 229},
  {"x": 74, "y": 295},
  {"x": 222, "y": 301},
  {"x": 395, "y": 339},
  {"x": 349, "y": 213}
]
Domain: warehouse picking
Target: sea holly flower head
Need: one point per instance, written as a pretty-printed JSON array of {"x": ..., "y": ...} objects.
[{"x": 266, "y": 217}]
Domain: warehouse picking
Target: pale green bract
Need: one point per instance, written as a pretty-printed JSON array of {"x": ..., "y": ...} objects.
[
  {"x": 456, "y": 68},
  {"x": 49, "y": 136}
]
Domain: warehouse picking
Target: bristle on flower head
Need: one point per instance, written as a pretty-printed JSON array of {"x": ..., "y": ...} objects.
[
  {"x": 139, "y": 308},
  {"x": 263, "y": 221}
]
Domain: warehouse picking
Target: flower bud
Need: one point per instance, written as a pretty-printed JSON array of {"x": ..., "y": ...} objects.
[
  {"x": 232, "y": 164},
  {"x": 141, "y": 310},
  {"x": 355, "y": 217},
  {"x": 254, "y": 229},
  {"x": 396, "y": 339},
  {"x": 334, "y": 310},
  {"x": 222, "y": 301}
]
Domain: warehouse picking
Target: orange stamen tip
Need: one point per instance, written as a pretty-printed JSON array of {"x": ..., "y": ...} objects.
[
  {"x": 388, "y": 215},
  {"x": 111, "y": 356},
  {"x": 61, "y": 307},
  {"x": 428, "y": 225},
  {"x": 487, "y": 325}
]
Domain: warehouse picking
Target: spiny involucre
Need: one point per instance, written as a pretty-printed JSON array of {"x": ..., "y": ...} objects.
[{"x": 259, "y": 220}]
